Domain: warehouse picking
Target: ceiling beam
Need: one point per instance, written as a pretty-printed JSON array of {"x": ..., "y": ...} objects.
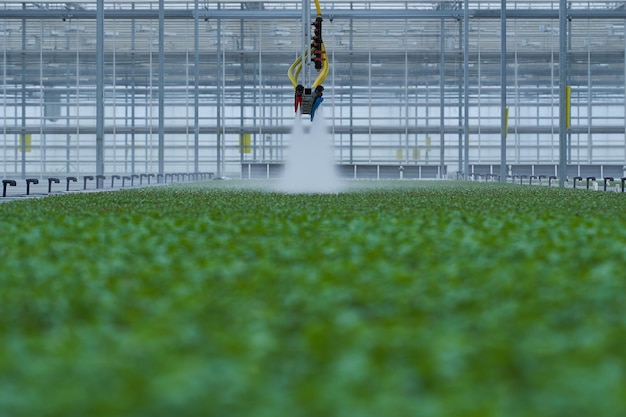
[{"x": 341, "y": 14}]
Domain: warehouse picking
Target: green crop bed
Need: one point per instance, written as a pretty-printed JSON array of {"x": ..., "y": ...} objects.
[{"x": 387, "y": 300}]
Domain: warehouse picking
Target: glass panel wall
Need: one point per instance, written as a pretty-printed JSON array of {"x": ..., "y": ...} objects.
[{"x": 395, "y": 93}]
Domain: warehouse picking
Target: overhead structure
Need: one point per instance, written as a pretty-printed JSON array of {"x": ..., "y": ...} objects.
[
  {"x": 461, "y": 89},
  {"x": 308, "y": 99}
]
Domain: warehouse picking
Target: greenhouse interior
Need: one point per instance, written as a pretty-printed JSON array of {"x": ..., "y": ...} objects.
[{"x": 439, "y": 89}]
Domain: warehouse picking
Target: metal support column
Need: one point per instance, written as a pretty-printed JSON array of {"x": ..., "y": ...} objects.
[
  {"x": 23, "y": 91},
  {"x": 99, "y": 92},
  {"x": 351, "y": 99},
  {"x": 442, "y": 96},
  {"x": 161, "y": 86},
  {"x": 405, "y": 158},
  {"x": 562, "y": 92},
  {"x": 218, "y": 104},
  {"x": 133, "y": 84},
  {"x": 466, "y": 88},
  {"x": 460, "y": 100},
  {"x": 196, "y": 89},
  {"x": 243, "y": 147},
  {"x": 503, "y": 112},
  {"x": 306, "y": 41}
]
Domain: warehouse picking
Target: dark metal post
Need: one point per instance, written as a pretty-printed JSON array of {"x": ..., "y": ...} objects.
[
  {"x": 50, "y": 181},
  {"x": 30, "y": 181},
  {"x": 85, "y": 179},
  {"x": 68, "y": 179},
  {"x": 12, "y": 183}
]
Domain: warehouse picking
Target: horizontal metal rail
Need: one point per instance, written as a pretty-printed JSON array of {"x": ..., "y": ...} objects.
[
  {"x": 172, "y": 14},
  {"x": 342, "y": 130}
]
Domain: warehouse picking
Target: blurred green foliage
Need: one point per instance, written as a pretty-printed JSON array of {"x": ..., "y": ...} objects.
[{"x": 389, "y": 299}]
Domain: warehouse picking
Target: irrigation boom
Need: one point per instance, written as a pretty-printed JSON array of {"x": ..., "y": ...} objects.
[{"x": 307, "y": 100}]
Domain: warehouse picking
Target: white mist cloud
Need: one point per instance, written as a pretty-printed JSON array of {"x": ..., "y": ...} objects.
[{"x": 310, "y": 166}]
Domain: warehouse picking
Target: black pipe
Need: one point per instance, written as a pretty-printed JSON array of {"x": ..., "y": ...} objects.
[
  {"x": 150, "y": 176},
  {"x": 159, "y": 177},
  {"x": 124, "y": 180},
  {"x": 141, "y": 177},
  {"x": 607, "y": 179},
  {"x": 132, "y": 179},
  {"x": 30, "y": 181},
  {"x": 552, "y": 177},
  {"x": 68, "y": 179},
  {"x": 12, "y": 183},
  {"x": 98, "y": 179},
  {"x": 590, "y": 178},
  {"x": 50, "y": 181},
  {"x": 577, "y": 179},
  {"x": 623, "y": 180},
  {"x": 113, "y": 178},
  {"x": 85, "y": 179}
]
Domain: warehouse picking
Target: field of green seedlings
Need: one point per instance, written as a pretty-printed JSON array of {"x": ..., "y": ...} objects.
[{"x": 390, "y": 299}]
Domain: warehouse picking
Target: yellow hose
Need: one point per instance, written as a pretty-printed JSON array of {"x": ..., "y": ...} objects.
[
  {"x": 294, "y": 70},
  {"x": 292, "y": 73}
]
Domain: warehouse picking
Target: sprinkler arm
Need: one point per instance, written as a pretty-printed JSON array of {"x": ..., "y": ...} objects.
[{"x": 317, "y": 53}]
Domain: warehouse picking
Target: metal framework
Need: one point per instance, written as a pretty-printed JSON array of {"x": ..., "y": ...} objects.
[{"x": 189, "y": 86}]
